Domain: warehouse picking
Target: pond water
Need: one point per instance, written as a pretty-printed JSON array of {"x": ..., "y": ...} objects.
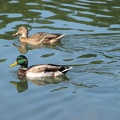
[{"x": 89, "y": 91}]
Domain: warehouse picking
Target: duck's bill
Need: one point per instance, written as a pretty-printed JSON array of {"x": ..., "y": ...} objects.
[
  {"x": 14, "y": 64},
  {"x": 15, "y": 34}
]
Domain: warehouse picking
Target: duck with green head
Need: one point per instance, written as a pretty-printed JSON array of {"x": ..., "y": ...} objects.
[{"x": 39, "y": 70}]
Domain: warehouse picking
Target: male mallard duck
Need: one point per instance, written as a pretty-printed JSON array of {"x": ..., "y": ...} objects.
[
  {"x": 39, "y": 70},
  {"x": 39, "y": 38}
]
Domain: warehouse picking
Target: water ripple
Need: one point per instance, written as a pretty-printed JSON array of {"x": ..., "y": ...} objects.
[{"x": 91, "y": 47}]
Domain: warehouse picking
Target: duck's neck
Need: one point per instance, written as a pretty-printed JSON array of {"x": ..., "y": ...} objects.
[
  {"x": 24, "y": 66},
  {"x": 25, "y": 35}
]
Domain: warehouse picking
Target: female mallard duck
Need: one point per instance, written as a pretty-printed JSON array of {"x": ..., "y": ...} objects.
[
  {"x": 39, "y": 70},
  {"x": 39, "y": 38}
]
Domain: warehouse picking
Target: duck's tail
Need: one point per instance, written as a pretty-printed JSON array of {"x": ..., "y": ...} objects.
[
  {"x": 65, "y": 69},
  {"x": 60, "y": 36},
  {"x": 57, "y": 38}
]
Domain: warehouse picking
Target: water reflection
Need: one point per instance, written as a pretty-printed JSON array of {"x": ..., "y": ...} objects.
[
  {"x": 84, "y": 85},
  {"x": 23, "y": 48},
  {"x": 22, "y": 85},
  {"x": 2, "y": 60},
  {"x": 96, "y": 59},
  {"x": 47, "y": 80}
]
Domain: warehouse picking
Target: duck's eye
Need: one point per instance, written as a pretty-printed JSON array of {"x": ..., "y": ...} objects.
[{"x": 20, "y": 29}]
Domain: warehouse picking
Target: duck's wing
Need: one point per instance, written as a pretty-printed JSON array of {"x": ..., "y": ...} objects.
[
  {"x": 43, "y": 38},
  {"x": 36, "y": 38},
  {"x": 51, "y": 37},
  {"x": 37, "y": 68}
]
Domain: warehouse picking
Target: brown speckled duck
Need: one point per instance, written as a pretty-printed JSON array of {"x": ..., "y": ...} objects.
[{"x": 39, "y": 38}]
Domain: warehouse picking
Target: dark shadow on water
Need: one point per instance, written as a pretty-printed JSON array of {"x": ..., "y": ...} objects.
[
  {"x": 83, "y": 85},
  {"x": 2, "y": 60},
  {"x": 22, "y": 84}
]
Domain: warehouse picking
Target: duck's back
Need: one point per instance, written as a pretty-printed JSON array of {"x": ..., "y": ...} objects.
[{"x": 41, "y": 38}]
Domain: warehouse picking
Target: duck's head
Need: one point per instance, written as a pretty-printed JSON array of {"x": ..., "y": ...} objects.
[
  {"x": 23, "y": 31},
  {"x": 22, "y": 61}
]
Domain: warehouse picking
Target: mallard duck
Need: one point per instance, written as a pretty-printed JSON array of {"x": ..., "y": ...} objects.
[
  {"x": 39, "y": 38},
  {"x": 39, "y": 70}
]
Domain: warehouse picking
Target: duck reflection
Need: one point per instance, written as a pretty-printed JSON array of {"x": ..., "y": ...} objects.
[
  {"x": 24, "y": 47},
  {"x": 47, "y": 80},
  {"x": 22, "y": 85}
]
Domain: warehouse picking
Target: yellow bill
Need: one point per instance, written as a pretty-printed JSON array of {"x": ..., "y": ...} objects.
[{"x": 14, "y": 64}]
